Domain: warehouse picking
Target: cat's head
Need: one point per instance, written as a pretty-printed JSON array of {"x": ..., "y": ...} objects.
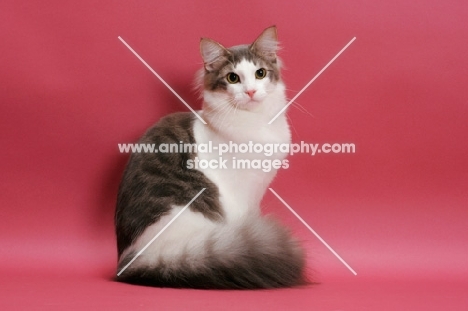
[{"x": 242, "y": 76}]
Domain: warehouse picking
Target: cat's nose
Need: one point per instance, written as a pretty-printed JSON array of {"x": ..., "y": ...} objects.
[{"x": 250, "y": 93}]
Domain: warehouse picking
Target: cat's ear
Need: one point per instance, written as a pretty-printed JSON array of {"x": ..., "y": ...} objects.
[
  {"x": 212, "y": 53},
  {"x": 266, "y": 44}
]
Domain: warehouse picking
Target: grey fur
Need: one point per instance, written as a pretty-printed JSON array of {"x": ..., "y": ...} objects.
[
  {"x": 260, "y": 254},
  {"x": 153, "y": 182}
]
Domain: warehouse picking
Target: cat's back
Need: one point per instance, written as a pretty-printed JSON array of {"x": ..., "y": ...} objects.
[
  {"x": 157, "y": 178},
  {"x": 172, "y": 128}
]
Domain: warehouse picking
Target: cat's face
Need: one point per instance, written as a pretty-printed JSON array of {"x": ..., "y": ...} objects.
[{"x": 241, "y": 76}]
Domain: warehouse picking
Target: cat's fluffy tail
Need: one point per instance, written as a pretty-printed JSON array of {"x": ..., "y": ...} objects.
[{"x": 253, "y": 253}]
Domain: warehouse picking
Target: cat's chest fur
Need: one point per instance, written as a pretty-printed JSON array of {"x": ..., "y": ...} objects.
[{"x": 241, "y": 189}]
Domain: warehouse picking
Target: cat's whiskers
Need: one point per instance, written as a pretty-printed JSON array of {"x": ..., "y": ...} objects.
[
  {"x": 217, "y": 121},
  {"x": 291, "y": 124},
  {"x": 231, "y": 107},
  {"x": 301, "y": 108},
  {"x": 236, "y": 106}
]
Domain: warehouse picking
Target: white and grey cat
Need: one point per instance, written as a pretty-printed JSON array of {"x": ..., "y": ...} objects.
[{"x": 221, "y": 240}]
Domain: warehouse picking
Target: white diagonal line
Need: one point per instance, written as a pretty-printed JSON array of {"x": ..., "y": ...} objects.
[
  {"x": 310, "y": 82},
  {"x": 162, "y": 80},
  {"x": 159, "y": 233},
  {"x": 313, "y": 231}
]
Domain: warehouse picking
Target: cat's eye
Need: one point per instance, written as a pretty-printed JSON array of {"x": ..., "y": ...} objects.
[
  {"x": 260, "y": 73},
  {"x": 232, "y": 78}
]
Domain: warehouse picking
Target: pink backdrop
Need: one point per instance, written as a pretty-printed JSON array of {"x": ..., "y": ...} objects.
[{"x": 396, "y": 210}]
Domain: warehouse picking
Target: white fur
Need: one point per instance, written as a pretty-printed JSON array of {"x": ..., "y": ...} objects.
[
  {"x": 189, "y": 225},
  {"x": 233, "y": 116}
]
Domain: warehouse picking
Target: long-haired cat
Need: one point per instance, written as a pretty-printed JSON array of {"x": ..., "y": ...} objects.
[{"x": 221, "y": 240}]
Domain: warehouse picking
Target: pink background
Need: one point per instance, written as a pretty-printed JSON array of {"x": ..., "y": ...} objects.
[{"x": 396, "y": 211}]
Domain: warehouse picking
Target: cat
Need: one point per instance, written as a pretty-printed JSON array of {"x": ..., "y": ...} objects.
[{"x": 221, "y": 241}]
